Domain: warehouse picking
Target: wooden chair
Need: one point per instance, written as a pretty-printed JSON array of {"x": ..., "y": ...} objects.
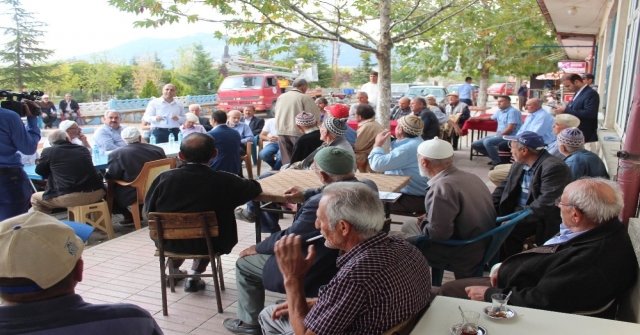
[
  {"x": 247, "y": 160},
  {"x": 149, "y": 172},
  {"x": 405, "y": 327},
  {"x": 259, "y": 162},
  {"x": 180, "y": 226}
]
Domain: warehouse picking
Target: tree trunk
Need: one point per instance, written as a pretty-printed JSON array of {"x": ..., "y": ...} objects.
[
  {"x": 484, "y": 84},
  {"x": 384, "y": 64}
]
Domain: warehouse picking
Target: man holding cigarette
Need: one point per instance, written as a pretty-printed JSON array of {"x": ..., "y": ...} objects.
[{"x": 257, "y": 270}]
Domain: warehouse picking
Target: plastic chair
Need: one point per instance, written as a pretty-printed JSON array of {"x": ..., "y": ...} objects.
[
  {"x": 247, "y": 160},
  {"x": 149, "y": 172},
  {"x": 180, "y": 226},
  {"x": 98, "y": 215},
  {"x": 254, "y": 150},
  {"x": 496, "y": 236}
]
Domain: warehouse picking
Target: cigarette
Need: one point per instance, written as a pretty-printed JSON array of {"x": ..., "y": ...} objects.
[{"x": 315, "y": 238}]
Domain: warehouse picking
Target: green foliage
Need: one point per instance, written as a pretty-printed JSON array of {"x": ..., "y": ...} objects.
[
  {"x": 149, "y": 90},
  {"x": 403, "y": 72},
  {"x": 311, "y": 52},
  {"x": 361, "y": 73},
  {"x": 200, "y": 75},
  {"x": 25, "y": 59}
]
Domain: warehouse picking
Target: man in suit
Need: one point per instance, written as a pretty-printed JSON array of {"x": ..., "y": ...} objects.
[
  {"x": 194, "y": 187},
  {"x": 255, "y": 123},
  {"x": 227, "y": 144},
  {"x": 584, "y": 105},
  {"x": 203, "y": 120},
  {"x": 69, "y": 108},
  {"x": 125, "y": 164},
  {"x": 535, "y": 181}
]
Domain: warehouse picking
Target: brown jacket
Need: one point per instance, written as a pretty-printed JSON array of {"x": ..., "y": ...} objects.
[{"x": 367, "y": 131}]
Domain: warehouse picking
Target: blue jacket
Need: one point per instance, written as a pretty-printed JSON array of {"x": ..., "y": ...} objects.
[
  {"x": 228, "y": 145},
  {"x": 584, "y": 163},
  {"x": 402, "y": 160},
  {"x": 14, "y": 137}
]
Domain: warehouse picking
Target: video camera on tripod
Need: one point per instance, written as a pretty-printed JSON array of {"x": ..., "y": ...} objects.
[{"x": 14, "y": 101}]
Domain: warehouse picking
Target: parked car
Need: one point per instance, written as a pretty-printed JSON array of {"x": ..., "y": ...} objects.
[
  {"x": 501, "y": 89},
  {"x": 398, "y": 91},
  {"x": 422, "y": 91},
  {"x": 454, "y": 88}
]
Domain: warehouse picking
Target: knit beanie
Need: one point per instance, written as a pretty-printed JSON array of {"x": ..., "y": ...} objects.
[
  {"x": 335, "y": 126},
  {"x": 305, "y": 119},
  {"x": 571, "y": 137},
  {"x": 335, "y": 160},
  {"x": 411, "y": 125}
]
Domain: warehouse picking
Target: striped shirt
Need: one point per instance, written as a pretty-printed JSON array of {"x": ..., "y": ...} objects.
[{"x": 381, "y": 282}]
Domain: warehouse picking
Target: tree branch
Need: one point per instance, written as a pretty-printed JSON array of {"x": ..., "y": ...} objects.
[
  {"x": 405, "y": 35},
  {"x": 407, "y": 16}
]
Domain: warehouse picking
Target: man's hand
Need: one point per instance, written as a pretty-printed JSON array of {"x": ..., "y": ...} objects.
[
  {"x": 83, "y": 139},
  {"x": 248, "y": 251},
  {"x": 473, "y": 119},
  {"x": 457, "y": 130},
  {"x": 476, "y": 292},
  {"x": 559, "y": 109},
  {"x": 420, "y": 218},
  {"x": 292, "y": 264},
  {"x": 293, "y": 193},
  {"x": 494, "y": 280},
  {"x": 175, "y": 118},
  {"x": 283, "y": 309},
  {"x": 273, "y": 138},
  {"x": 28, "y": 106},
  {"x": 159, "y": 118},
  {"x": 382, "y": 138}
]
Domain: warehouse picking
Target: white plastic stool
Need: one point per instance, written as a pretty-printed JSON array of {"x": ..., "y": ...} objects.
[{"x": 96, "y": 215}]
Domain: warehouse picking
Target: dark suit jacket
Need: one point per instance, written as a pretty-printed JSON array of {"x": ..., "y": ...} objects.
[
  {"x": 125, "y": 163},
  {"x": 196, "y": 188},
  {"x": 227, "y": 142},
  {"x": 204, "y": 121},
  {"x": 550, "y": 176},
  {"x": 74, "y": 106},
  {"x": 68, "y": 168},
  {"x": 585, "y": 107},
  {"x": 256, "y": 124}
]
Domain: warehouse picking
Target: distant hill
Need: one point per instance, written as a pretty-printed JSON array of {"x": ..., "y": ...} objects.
[{"x": 167, "y": 50}]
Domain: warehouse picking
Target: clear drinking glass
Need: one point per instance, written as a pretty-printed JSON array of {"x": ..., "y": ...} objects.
[
  {"x": 470, "y": 324},
  {"x": 499, "y": 305}
]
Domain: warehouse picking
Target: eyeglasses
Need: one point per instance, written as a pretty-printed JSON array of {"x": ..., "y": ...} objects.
[{"x": 559, "y": 203}]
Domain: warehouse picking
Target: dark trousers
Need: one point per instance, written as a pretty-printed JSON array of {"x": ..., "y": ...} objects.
[
  {"x": 48, "y": 119},
  {"x": 515, "y": 241},
  {"x": 162, "y": 134},
  {"x": 286, "y": 143},
  {"x": 15, "y": 193},
  {"x": 467, "y": 101},
  {"x": 521, "y": 102},
  {"x": 455, "y": 289},
  {"x": 407, "y": 204},
  {"x": 269, "y": 222}
]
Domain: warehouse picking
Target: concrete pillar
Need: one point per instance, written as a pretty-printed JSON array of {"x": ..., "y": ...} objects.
[{"x": 616, "y": 59}]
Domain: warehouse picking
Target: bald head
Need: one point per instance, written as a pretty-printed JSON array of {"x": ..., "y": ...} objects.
[
  {"x": 234, "y": 117},
  {"x": 198, "y": 148},
  {"x": 533, "y": 105},
  {"x": 599, "y": 199},
  {"x": 404, "y": 102}
]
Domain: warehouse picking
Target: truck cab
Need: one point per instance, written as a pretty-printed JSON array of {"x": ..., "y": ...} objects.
[{"x": 256, "y": 89}]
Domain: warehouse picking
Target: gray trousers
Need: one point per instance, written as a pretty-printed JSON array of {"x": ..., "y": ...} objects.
[
  {"x": 270, "y": 326},
  {"x": 250, "y": 288},
  {"x": 286, "y": 143}
]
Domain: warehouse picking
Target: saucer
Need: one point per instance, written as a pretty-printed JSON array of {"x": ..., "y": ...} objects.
[
  {"x": 481, "y": 330},
  {"x": 510, "y": 313}
]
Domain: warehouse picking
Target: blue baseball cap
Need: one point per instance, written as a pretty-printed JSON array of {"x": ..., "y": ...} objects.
[{"x": 529, "y": 139}]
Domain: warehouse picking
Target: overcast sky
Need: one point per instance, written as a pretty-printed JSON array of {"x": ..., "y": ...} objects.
[{"x": 78, "y": 27}]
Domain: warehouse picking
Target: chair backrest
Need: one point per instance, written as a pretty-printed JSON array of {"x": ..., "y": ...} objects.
[
  {"x": 406, "y": 326},
  {"x": 500, "y": 233},
  {"x": 149, "y": 172},
  {"x": 180, "y": 226}
]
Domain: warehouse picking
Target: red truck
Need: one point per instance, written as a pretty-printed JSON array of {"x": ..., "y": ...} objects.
[
  {"x": 260, "y": 90},
  {"x": 501, "y": 89}
]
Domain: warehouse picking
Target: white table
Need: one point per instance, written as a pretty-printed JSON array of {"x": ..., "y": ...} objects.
[
  {"x": 169, "y": 150},
  {"x": 443, "y": 313}
]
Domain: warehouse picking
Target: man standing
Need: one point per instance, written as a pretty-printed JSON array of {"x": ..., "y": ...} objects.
[
  {"x": 255, "y": 123},
  {"x": 40, "y": 266},
  {"x": 458, "y": 205},
  {"x": 372, "y": 88},
  {"x": 584, "y": 105},
  {"x": 257, "y": 269},
  {"x": 165, "y": 115},
  {"x": 68, "y": 108},
  {"x": 509, "y": 122},
  {"x": 466, "y": 92},
  {"x": 108, "y": 137},
  {"x": 182, "y": 190},
  {"x": 460, "y": 110},
  {"x": 288, "y": 106},
  {"x": 581, "y": 162},
  {"x": 429, "y": 119},
  {"x": 368, "y": 128},
  {"x": 203, "y": 120},
  {"x": 523, "y": 93},
  {"x": 402, "y": 109},
  {"x": 15, "y": 137},
  {"x": 125, "y": 164},
  {"x": 363, "y": 99},
  {"x": 535, "y": 181},
  {"x": 72, "y": 180},
  {"x": 228, "y": 142},
  {"x": 567, "y": 273},
  {"x": 377, "y": 273},
  {"x": 246, "y": 135},
  {"x": 402, "y": 160}
]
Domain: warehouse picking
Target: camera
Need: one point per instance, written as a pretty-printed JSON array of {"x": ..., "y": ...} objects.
[{"x": 16, "y": 105}]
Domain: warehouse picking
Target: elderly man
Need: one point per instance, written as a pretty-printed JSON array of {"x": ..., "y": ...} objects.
[
  {"x": 457, "y": 205},
  {"x": 457, "y": 108},
  {"x": 246, "y": 135},
  {"x": 68, "y": 108},
  {"x": 590, "y": 262},
  {"x": 535, "y": 181},
  {"x": 584, "y": 105},
  {"x": 363, "y": 99},
  {"x": 581, "y": 162},
  {"x": 165, "y": 114},
  {"x": 368, "y": 128},
  {"x": 372, "y": 88},
  {"x": 108, "y": 137},
  {"x": 40, "y": 266},
  {"x": 289, "y": 105},
  {"x": 332, "y": 132},
  {"x": 341, "y": 111},
  {"x": 429, "y": 119},
  {"x": 227, "y": 143},
  {"x": 257, "y": 269},
  {"x": 182, "y": 190},
  {"x": 310, "y": 139},
  {"x": 443, "y": 119},
  {"x": 125, "y": 164},
  {"x": 49, "y": 113},
  {"x": 402, "y": 109},
  {"x": 538, "y": 121},
  {"x": 523, "y": 93},
  {"x": 191, "y": 125},
  {"x": 402, "y": 160},
  {"x": 203, "y": 120},
  {"x": 75, "y": 134},
  {"x": 377, "y": 273},
  {"x": 250, "y": 119},
  {"x": 509, "y": 122},
  {"x": 270, "y": 148},
  {"x": 72, "y": 180}
]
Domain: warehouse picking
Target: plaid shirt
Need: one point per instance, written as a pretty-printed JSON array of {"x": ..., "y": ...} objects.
[{"x": 382, "y": 282}]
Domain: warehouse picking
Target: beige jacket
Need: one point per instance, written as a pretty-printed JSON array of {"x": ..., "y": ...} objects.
[
  {"x": 367, "y": 131},
  {"x": 288, "y": 106}
]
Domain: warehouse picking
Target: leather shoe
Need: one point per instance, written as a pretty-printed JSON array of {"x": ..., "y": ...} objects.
[
  {"x": 245, "y": 215},
  {"x": 177, "y": 280},
  {"x": 236, "y": 326},
  {"x": 194, "y": 285}
]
